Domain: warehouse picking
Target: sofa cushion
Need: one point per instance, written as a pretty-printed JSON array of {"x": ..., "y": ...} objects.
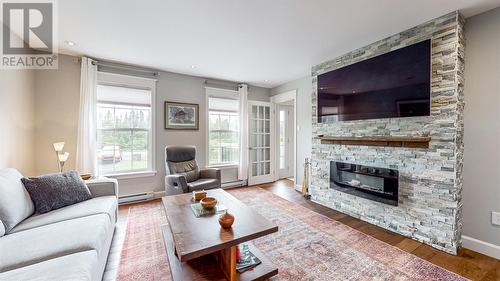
[
  {"x": 15, "y": 202},
  {"x": 78, "y": 266},
  {"x": 54, "y": 191},
  {"x": 100, "y": 205},
  {"x": 203, "y": 184},
  {"x": 2, "y": 229},
  {"x": 56, "y": 240}
]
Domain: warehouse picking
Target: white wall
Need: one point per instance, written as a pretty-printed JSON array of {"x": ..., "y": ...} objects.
[
  {"x": 57, "y": 119},
  {"x": 304, "y": 125},
  {"x": 481, "y": 191},
  {"x": 17, "y": 111}
]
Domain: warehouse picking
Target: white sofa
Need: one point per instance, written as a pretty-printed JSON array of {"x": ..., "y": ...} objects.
[{"x": 71, "y": 243}]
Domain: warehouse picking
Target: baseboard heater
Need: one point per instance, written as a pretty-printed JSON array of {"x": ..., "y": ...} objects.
[
  {"x": 136, "y": 198},
  {"x": 232, "y": 184},
  {"x": 139, "y": 197}
]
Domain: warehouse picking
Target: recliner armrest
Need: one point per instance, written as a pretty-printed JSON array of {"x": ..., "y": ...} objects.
[
  {"x": 210, "y": 173},
  {"x": 176, "y": 184},
  {"x": 102, "y": 187}
]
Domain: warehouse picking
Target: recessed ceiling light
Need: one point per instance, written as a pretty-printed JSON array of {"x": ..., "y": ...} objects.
[
  {"x": 193, "y": 66},
  {"x": 70, "y": 43}
]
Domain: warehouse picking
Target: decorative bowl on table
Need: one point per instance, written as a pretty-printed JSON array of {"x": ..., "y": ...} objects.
[
  {"x": 86, "y": 176},
  {"x": 226, "y": 220},
  {"x": 199, "y": 195},
  {"x": 208, "y": 202}
]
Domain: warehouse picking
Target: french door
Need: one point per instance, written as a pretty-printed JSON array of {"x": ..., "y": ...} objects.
[{"x": 261, "y": 142}]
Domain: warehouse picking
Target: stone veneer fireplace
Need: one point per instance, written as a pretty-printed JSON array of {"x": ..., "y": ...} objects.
[{"x": 430, "y": 179}]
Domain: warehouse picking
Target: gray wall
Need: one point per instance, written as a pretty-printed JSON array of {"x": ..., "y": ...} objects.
[
  {"x": 17, "y": 111},
  {"x": 57, "y": 119},
  {"x": 482, "y": 130},
  {"x": 304, "y": 126}
]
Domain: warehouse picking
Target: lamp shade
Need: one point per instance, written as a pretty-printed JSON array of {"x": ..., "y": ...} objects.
[
  {"x": 63, "y": 157},
  {"x": 58, "y": 146}
]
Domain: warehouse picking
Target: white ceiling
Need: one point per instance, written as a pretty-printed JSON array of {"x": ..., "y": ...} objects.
[{"x": 240, "y": 40}]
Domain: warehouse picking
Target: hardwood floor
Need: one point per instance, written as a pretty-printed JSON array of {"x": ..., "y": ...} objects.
[{"x": 470, "y": 264}]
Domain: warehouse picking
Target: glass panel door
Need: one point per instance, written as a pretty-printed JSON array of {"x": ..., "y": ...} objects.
[
  {"x": 283, "y": 138},
  {"x": 260, "y": 143},
  {"x": 285, "y": 125}
]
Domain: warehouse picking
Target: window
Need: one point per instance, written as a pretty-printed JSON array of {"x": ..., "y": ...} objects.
[
  {"x": 223, "y": 130},
  {"x": 124, "y": 128},
  {"x": 282, "y": 139}
]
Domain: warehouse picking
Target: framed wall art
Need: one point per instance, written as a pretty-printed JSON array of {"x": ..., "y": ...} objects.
[{"x": 181, "y": 116}]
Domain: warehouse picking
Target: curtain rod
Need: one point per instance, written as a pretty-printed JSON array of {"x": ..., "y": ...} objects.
[
  {"x": 235, "y": 85},
  {"x": 125, "y": 67}
]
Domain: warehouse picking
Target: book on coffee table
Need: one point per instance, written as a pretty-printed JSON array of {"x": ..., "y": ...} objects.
[{"x": 247, "y": 259}]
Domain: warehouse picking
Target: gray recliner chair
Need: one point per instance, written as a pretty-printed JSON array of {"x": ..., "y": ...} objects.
[{"x": 183, "y": 174}]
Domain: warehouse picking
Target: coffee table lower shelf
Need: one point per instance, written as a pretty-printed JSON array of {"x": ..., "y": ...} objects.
[{"x": 208, "y": 268}]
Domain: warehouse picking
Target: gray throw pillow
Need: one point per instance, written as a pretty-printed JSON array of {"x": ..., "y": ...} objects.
[{"x": 54, "y": 191}]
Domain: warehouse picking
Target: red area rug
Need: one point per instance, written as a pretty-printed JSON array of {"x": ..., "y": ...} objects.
[
  {"x": 143, "y": 255},
  {"x": 308, "y": 246}
]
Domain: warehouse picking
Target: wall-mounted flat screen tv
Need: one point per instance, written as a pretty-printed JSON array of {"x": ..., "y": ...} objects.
[{"x": 392, "y": 85}]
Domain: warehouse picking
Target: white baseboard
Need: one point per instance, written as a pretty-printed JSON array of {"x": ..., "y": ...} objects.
[
  {"x": 298, "y": 187},
  {"x": 159, "y": 194},
  {"x": 482, "y": 247}
]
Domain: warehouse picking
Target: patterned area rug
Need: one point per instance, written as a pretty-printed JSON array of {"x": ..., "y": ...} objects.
[
  {"x": 308, "y": 246},
  {"x": 143, "y": 254}
]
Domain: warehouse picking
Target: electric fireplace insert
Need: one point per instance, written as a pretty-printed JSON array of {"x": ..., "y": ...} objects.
[{"x": 373, "y": 183}]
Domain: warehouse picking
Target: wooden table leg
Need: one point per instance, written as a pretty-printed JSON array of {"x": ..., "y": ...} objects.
[{"x": 227, "y": 262}]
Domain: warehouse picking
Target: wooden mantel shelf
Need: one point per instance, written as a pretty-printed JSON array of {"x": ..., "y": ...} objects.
[{"x": 388, "y": 141}]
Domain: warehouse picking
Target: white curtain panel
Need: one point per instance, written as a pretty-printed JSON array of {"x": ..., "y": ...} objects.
[
  {"x": 243, "y": 166},
  {"x": 86, "y": 161}
]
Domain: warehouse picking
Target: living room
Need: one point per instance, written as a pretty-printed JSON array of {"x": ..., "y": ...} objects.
[{"x": 233, "y": 140}]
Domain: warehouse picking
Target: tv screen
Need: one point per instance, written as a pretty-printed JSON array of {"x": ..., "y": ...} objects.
[{"x": 395, "y": 84}]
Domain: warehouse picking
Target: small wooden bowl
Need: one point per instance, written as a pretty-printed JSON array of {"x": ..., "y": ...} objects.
[
  {"x": 198, "y": 195},
  {"x": 226, "y": 220},
  {"x": 208, "y": 202},
  {"x": 86, "y": 176}
]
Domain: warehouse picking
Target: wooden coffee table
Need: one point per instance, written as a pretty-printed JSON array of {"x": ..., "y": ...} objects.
[{"x": 199, "y": 249}]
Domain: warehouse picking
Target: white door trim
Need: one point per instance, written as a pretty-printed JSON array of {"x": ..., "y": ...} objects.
[
  {"x": 275, "y": 100},
  {"x": 284, "y": 97}
]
